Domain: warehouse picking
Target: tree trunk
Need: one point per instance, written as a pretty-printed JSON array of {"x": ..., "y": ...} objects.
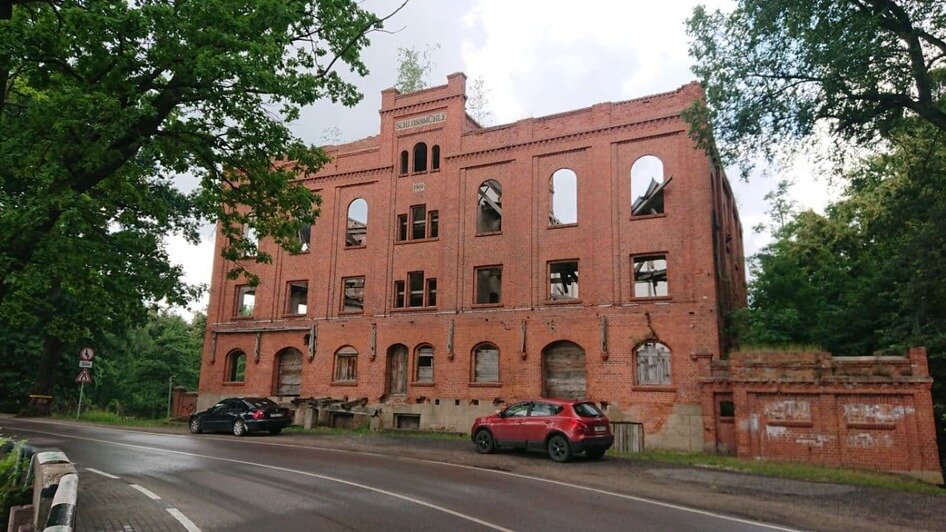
[{"x": 41, "y": 397}]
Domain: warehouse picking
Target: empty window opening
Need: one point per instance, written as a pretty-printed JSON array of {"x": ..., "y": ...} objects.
[
  {"x": 353, "y": 294},
  {"x": 298, "y": 297},
  {"x": 650, "y": 276},
  {"x": 424, "y": 366},
  {"x": 563, "y": 198},
  {"x": 647, "y": 186},
  {"x": 489, "y": 207},
  {"x": 727, "y": 409},
  {"x": 653, "y": 363},
  {"x": 419, "y": 224},
  {"x": 404, "y": 166},
  {"x": 304, "y": 233},
  {"x": 416, "y": 292},
  {"x": 407, "y": 421},
  {"x": 246, "y": 300},
  {"x": 420, "y": 157},
  {"x": 489, "y": 285},
  {"x": 236, "y": 367},
  {"x": 435, "y": 157},
  {"x": 486, "y": 363},
  {"x": 357, "y": 227},
  {"x": 346, "y": 364},
  {"x": 249, "y": 231},
  {"x": 563, "y": 280}
]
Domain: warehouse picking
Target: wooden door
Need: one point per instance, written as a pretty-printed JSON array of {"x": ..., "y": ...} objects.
[
  {"x": 563, "y": 371},
  {"x": 289, "y": 372},
  {"x": 725, "y": 424},
  {"x": 397, "y": 370}
]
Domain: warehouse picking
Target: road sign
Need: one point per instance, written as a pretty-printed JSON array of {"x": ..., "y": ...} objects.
[
  {"x": 84, "y": 377},
  {"x": 85, "y": 363},
  {"x": 87, "y": 353}
]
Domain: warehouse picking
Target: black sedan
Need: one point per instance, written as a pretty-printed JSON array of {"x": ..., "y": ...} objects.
[{"x": 241, "y": 415}]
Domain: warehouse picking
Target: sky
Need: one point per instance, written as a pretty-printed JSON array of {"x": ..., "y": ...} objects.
[{"x": 535, "y": 57}]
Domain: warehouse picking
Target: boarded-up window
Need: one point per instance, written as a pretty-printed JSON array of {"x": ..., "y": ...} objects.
[
  {"x": 650, "y": 276},
  {"x": 236, "y": 366},
  {"x": 486, "y": 363},
  {"x": 489, "y": 285},
  {"x": 564, "y": 371},
  {"x": 298, "y": 295},
  {"x": 653, "y": 363},
  {"x": 489, "y": 207},
  {"x": 289, "y": 372},
  {"x": 563, "y": 280},
  {"x": 346, "y": 364},
  {"x": 424, "y": 366},
  {"x": 353, "y": 296},
  {"x": 246, "y": 299}
]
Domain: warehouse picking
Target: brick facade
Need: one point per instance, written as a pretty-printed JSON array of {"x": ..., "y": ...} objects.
[
  {"x": 698, "y": 233},
  {"x": 863, "y": 412}
]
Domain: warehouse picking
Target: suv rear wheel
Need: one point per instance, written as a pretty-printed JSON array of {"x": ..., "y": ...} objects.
[
  {"x": 484, "y": 442},
  {"x": 559, "y": 448}
]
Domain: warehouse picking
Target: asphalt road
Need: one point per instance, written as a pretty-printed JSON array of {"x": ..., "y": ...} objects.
[{"x": 221, "y": 482}]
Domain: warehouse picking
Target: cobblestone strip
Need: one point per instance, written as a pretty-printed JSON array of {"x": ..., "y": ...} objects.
[{"x": 109, "y": 504}]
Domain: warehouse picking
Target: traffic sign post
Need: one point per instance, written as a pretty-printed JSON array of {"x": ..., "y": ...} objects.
[{"x": 84, "y": 377}]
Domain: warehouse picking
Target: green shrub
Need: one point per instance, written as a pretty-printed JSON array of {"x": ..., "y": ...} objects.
[{"x": 12, "y": 491}]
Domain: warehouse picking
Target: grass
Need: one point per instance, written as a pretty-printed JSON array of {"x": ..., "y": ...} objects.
[
  {"x": 12, "y": 491},
  {"x": 110, "y": 418},
  {"x": 788, "y": 470}
]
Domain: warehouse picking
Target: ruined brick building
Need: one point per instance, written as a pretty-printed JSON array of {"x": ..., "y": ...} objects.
[{"x": 592, "y": 253}]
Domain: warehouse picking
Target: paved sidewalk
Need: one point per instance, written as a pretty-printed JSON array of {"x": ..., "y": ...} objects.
[{"x": 107, "y": 504}]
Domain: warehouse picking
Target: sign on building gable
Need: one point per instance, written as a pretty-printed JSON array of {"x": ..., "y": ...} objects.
[{"x": 420, "y": 121}]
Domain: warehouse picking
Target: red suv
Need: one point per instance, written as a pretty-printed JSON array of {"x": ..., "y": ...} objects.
[{"x": 560, "y": 428}]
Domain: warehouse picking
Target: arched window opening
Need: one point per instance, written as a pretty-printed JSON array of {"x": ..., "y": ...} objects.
[
  {"x": 424, "y": 364},
  {"x": 647, "y": 186},
  {"x": 435, "y": 157},
  {"x": 346, "y": 364},
  {"x": 563, "y": 198},
  {"x": 357, "y": 230},
  {"x": 420, "y": 157},
  {"x": 236, "y": 366},
  {"x": 486, "y": 363},
  {"x": 404, "y": 156},
  {"x": 489, "y": 207},
  {"x": 653, "y": 363}
]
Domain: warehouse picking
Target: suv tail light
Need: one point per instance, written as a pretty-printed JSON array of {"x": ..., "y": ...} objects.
[
  {"x": 584, "y": 428},
  {"x": 258, "y": 414}
]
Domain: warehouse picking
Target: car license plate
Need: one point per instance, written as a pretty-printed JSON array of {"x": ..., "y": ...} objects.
[
  {"x": 277, "y": 414},
  {"x": 600, "y": 428}
]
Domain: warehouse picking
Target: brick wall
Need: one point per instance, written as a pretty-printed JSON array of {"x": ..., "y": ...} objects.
[{"x": 863, "y": 412}]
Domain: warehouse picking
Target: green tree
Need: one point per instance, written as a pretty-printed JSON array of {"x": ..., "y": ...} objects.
[
  {"x": 414, "y": 67},
  {"x": 772, "y": 70},
  {"x": 478, "y": 103},
  {"x": 104, "y": 103}
]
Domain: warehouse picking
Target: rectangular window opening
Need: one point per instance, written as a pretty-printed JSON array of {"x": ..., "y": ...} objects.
[
  {"x": 431, "y": 292},
  {"x": 563, "y": 280},
  {"x": 489, "y": 285},
  {"x": 650, "y": 276},
  {"x": 298, "y": 297},
  {"x": 401, "y": 227},
  {"x": 415, "y": 284},
  {"x": 353, "y": 298},
  {"x": 246, "y": 299},
  {"x": 418, "y": 222},
  {"x": 425, "y": 365},
  {"x": 398, "y": 294}
]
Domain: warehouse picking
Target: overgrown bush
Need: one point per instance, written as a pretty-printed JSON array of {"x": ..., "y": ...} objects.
[{"x": 12, "y": 489}]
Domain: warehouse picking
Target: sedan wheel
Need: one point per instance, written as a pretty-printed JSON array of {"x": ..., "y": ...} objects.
[
  {"x": 195, "y": 426},
  {"x": 559, "y": 449},
  {"x": 484, "y": 442},
  {"x": 239, "y": 428}
]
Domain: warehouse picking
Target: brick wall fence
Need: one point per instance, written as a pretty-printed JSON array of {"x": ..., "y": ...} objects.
[
  {"x": 864, "y": 412},
  {"x": 183, "y": 403}
]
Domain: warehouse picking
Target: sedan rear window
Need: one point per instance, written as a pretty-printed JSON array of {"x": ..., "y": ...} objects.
[
  {"x": 587, "y": 410},
  {"x": 260, "y": 403}
]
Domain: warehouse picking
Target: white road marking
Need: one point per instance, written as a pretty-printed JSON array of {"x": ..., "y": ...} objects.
[
  {"x": 407, "y": 498},
  {"x": 448, "y": 464},
  {"x": 150, "y": 494},
  {"x": 188, "y": 524},
  {"x": 103, "y": 473}
]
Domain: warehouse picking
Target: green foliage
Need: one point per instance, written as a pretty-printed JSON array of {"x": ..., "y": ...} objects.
[
  {"x": 773, "y": 69},
  {"x": 413, "y": 67},
  {"x": 12, "y": 491}
]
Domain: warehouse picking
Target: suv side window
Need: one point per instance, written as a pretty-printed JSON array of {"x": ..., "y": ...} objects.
[
  {"x": 544, "y": 409},
  {"x": 517, "y": 410}
]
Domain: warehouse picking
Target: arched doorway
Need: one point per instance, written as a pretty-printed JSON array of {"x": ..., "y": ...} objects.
[
  {"x": 397, "y": 370},
  {"x": 288, "y": 372},
  {"x": 563, "y": 371}
]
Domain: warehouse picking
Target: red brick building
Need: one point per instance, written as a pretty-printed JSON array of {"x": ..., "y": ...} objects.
[{"x": 592, "y": 253}]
